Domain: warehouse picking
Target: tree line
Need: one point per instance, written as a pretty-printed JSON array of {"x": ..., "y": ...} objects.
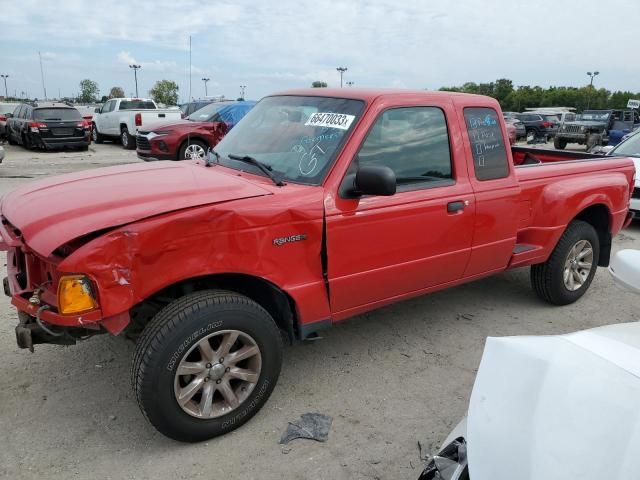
[
  {"x": 164, "y": 91},
  {"x": 524, "y": 96}
]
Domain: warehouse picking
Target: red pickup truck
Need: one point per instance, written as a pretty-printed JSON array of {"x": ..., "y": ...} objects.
[{"x": 318, "y": 206}]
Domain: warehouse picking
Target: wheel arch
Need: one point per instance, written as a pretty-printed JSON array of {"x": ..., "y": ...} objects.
[
  {"x": 188, "y": 138},
  {"x": 598, "y": 216},
  {"x": 280, "y": 305}
]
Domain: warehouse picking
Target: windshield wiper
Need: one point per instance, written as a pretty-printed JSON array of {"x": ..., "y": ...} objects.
[
  {"x": 208, "y": 162},
  {"x": 263, "y": 167}
]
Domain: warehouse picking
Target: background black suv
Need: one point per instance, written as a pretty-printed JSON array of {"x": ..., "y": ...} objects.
[
  {"x": 538, "y": 125},
  {"x": 48, "y": 126}
]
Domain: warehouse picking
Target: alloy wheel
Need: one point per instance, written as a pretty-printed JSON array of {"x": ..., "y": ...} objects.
[{"x": 217, "y": 374}]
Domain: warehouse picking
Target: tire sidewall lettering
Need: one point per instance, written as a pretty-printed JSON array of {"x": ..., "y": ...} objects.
[
  {"x": 188, "y": 342},
  {"x": 249, "y": 407}
]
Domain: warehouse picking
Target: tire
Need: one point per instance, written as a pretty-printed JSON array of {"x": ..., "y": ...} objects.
[
  {"x": 560, "y": 143},
  {"x": 197, "y": 147},
  {"x": 26, "y": 143},
  {"x": 532, "y": 135},
  {"x": 10, "y": 137},
  {"x": 548, "y": 279},
  {"x": 96, "y": 136},
  {"x": 128, "y": 141},
  {"x": 173, "y": 337}
]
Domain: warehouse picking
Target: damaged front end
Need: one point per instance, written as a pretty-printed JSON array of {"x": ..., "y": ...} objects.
[
  {"x": 33, "y": 284},
  {"x": 449, "y": 464}
]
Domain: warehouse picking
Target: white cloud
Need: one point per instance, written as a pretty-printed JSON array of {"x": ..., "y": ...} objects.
[{"x": 126, "y": 58}]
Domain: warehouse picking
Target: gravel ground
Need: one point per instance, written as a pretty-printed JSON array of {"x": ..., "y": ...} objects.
[{"x": 389, "y": 379}]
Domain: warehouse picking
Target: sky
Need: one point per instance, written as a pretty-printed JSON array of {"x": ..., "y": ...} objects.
[{"x": 281, "y": 44}]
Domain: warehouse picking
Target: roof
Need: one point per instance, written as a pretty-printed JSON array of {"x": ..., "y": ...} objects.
[{"x": 369, "y": 94}]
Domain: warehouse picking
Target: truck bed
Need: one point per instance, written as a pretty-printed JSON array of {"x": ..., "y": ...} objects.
[
  {"x": 553, "y": 177},
  {"x": 535, "y": 156}
]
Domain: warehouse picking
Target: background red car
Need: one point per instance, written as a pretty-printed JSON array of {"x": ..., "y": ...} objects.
[{"x": 191, "y": 138}]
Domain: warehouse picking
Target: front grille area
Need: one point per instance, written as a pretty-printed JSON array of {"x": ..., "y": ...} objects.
[
  {"x": 571, "y": 129},
  {"x": 142, "y": 143},
  {"x": 636, "y": 193}
]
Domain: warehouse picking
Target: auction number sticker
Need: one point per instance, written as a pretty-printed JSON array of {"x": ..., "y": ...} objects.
[{"x": 331, "y": 120}]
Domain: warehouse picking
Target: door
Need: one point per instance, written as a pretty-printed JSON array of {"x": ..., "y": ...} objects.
[
  {"x": 105, "y": 119},
  {"x": 378, "y": 247}
]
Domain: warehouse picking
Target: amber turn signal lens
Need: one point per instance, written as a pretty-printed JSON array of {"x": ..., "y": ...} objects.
[{"x": 74, "y": 295}]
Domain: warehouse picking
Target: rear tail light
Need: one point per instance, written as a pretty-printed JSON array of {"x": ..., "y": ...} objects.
[
  {"x": 3, "y": 118},
  {"x": 35, "y": 126},
  {"x": 138, "y": 119},
  {"x": 84, "y": 124},
  {"x": 547, "y": 124}
]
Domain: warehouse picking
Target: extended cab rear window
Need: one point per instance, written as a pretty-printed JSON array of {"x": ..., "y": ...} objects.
[
  {"x": 136, "y": 105},
  {"x": 487, "y": 143}
]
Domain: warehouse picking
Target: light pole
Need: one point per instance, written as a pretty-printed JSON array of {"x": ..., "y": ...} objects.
[
  {"x": 4, "y": 77},
  {"x": 135, "y": 74},
  {"x": 242, "y": 89},
  {"x": 341, "y": 70},
  {"x": 592, "y": 75},
  {"x": 205, "y": 80},
  {"x": 350, "y": 83}
]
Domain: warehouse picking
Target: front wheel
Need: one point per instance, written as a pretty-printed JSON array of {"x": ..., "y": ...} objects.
[
  {"x": 560, "y": 143},
  {"x": 568, "y": 272},
  {"x": 193, "y": 150},
  {"x": 96, "y": 136},
  {"x": 128, "y": 141},
  {"x": 206, "y": 364}
]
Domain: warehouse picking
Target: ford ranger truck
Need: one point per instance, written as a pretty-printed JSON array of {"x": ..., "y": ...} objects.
[{"x": 321, "y": 204}]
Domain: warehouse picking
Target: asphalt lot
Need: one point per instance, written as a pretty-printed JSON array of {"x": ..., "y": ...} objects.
[{"x": 389, "y": 379}]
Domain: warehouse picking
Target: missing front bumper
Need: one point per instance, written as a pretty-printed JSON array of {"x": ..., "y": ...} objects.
[{"x": 30, "y": 333}]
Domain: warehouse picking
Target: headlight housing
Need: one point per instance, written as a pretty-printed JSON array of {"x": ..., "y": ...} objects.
[{"x": 75, "y": 295}]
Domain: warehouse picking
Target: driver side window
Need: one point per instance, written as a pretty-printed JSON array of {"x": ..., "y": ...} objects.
[{"x": 414, "y": 143}]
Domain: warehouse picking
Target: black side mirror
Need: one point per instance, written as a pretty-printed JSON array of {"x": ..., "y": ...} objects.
[
  {"x": 372, "y": 180},
  {"x": 8, "y": 115}
]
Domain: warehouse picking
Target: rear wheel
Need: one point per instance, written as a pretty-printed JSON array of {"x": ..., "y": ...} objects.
[
  {"x": 26, "y": 142},
  {"x": 568, "y": 272},
  {"x": 206, "y": 364},
  {"x": 560, "y": 143},
  {"x": 128, "y": 141},
  {"x": 96, "y": 136},
  {"x": 193, "y": 150},
  {"x": 531, "y": 135}
]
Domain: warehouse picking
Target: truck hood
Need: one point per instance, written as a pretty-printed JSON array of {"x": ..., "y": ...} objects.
[
  {"x": 587, "y": 123},
  {"x": 540, "y": 404},
  {"x": 54, "y": 211},
  {"x": 174, "y": 125}
]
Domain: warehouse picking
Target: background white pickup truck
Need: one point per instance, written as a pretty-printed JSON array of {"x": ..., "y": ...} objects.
[{"x": 122, "y": 117}]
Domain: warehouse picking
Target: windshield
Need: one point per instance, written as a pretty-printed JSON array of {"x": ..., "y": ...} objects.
[
  {"x": 298, "y": 137},
  {"x": 60, "y": 114},
  {"x": 137, "y": 105},
  {"x": 628, "y": 148},
  {"x": 228, "y": 112},
  {"x": 595, "y": 116}
]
